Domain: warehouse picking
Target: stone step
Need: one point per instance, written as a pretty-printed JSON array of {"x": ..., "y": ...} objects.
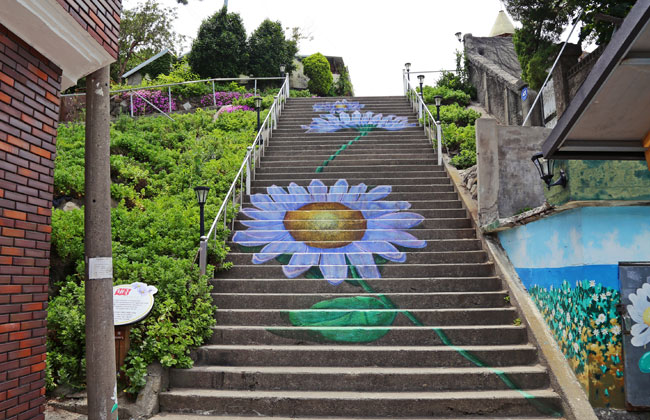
[
  {"x": 400, "y": 150},
  {"x": 360, "y": 162},
  {"x": 503, "y": 316},
  {"x": 262, "y": 189},
  {"x": 360, "y": 157},
  {"x": 340, "y": 138},
  {"x": 359, "y": 356},
  {"x": 432, "y": 175},
  {"x": 369, "y": 196},
  {"x": 354, "y": 133},
  {"x": 177, "y": 416},
  {"x": 377, "y": 208},
  {"x": 402, "y": 184},
  {"x": 466, "y": 257},
  {"x": 266, "y": 378},
  {"x": 242, "y": 224},
  {"x": 389, "y": 270},
  {"x": 389, "y": 336},
  {"x": 402, "y": 300},
  {"x": 303, "y": 285},
  {"x": 328, "y": 403},
  {"x": 462, "y": 244}
]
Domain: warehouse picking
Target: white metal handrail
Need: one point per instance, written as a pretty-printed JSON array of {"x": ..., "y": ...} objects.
[
  {"x": 242, "y": 182},
  {"x": 425, "y": 117}
]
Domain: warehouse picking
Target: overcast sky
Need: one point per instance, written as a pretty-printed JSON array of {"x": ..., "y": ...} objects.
[{"x": 374, "y": 37}]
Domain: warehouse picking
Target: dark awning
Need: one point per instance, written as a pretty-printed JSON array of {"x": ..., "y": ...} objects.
[{"x": 610, "y": 115}]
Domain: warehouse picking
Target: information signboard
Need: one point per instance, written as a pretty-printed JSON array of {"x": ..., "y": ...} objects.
[{"x": 132, "y": 302}]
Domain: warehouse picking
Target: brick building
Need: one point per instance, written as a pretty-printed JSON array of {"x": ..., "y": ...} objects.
[{"x": 45, "y": 47}]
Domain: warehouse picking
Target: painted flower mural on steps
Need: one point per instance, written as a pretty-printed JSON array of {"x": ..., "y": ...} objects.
[
  {"x": 335, "y": 229},
  {"x": 367, "y": 121},
  {"x": 338, "y": 106}
]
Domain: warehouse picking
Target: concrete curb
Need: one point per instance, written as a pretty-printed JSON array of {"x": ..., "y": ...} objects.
[{"x": 574, "y": 400}]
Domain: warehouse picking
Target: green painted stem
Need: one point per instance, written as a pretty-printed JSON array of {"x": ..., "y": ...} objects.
[
  {"x": 539, "y": 405},
  {"x": 326, "y": 162}
]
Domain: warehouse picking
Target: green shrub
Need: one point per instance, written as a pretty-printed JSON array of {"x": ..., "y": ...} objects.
[
  {"x": 181, "y": 72},
  {"x": 155, "y": 162},
  {"x": 449, "y": 96},
  {"x": 464, "y": 159},
  {"x": 461, "y": 144},
  {"x": 317, "y": 68},
  {"x": 300, "y": 93},
  {"x": 456, "y": 114}
]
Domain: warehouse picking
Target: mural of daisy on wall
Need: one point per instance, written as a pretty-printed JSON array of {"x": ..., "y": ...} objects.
[
  {"x": 639, "y": 310},
  {"x": 331, "y": 228}
]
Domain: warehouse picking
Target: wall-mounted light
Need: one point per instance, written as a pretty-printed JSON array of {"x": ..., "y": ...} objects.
[
  {"x": 545, "y": 169},
  {"x": 407, "y": 66},
  {"x": 421, "y": 79},
  {"x": 438, "y": 100},
  {"x": 459, "y": 36}
]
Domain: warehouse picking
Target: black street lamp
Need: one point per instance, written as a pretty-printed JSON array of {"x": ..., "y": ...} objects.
[
  {"x": 545, "y": 169},
  {"x": 258, "y": 107},
  {"x": 421, "y": 79},
  {"x": 438, "y": 100},
  {"x": 459, "y": 36},
  {"x": 407, "y": 66},
  {"x": 201, "y": 197},
  {"x": 282, "y": 69}
]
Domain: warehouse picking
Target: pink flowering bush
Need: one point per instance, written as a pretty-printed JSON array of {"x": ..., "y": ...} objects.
[
  {"x": 156, "y": 97},
  {"x": 223, "y": 98}
]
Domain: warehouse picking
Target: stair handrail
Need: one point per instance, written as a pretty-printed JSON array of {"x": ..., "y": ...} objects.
[
  {"x": 425, "y": 119},
  {"x": 246, "y": 172}
]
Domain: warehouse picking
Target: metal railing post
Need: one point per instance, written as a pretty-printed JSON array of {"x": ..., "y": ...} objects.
[
  {"x": 169, "y": 96},
  {"x": 439, "y": 135},
  {"x": 255, "y": 88},
  {"x": 203, "y": 255},
  {"x": 131, "y": 98},
  {"x": 248, "y": 171},
  {"x": 420, "y": 110},
  {"x": 214, "y": 96}
]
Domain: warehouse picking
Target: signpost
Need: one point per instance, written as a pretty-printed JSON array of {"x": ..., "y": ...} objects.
[{"x": 131, "y": 304}]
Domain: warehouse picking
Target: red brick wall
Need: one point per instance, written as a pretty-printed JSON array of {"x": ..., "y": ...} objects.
[
  {"x": 101, "y": 18},
  {"x": 29, "y": 108}
]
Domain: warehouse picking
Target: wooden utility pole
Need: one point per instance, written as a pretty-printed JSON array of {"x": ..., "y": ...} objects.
[{"x": 100, "y": 340}]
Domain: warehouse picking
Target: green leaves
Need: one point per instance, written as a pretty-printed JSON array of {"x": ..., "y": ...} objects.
[{"x": 358, "y": 311}]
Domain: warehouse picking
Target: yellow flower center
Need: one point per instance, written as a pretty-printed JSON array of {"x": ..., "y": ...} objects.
[
  {"x": 646, "y": 316},
  {"x": 325, "y": 225}
]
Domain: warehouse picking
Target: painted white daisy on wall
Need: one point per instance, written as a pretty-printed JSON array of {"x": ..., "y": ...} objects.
[
  {"x": 639, "y": 310},
  {"x": 333, "y": 228}
]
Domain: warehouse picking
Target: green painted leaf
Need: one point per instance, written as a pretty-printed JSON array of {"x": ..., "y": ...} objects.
[{"x": 359, "y": 311}]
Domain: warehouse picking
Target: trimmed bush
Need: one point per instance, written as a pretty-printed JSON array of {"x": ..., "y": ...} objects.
[{"x": 317, "y": 68}]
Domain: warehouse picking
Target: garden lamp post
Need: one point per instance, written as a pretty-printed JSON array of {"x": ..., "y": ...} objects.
[
  {"x": 201, "y": 197},
  {"x": 421, "y": 79},
  {"x": 407, "y": 66},
  {"x": 438, "y": 100},
  {"x": 258, "y": 106},
  {"x": 459, "y": 36},
  {"x": 545, "y": 169},
  {"x": 282, "y": 69}
]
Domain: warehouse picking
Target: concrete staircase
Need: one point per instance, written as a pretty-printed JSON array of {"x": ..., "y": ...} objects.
[{"x": 435, "y": 335}]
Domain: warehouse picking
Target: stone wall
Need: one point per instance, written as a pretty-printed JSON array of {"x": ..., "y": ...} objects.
[
  {"x": 29, "y": 109},
  {"x": 494, "y": 70},
  {"x": 508, "y": 180}
]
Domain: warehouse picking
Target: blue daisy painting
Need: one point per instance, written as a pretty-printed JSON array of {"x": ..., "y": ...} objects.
[
  {"x": 329, "y": 228},
  {"x": 367, "y": 121},
  {"x": 338, "y": 106}
]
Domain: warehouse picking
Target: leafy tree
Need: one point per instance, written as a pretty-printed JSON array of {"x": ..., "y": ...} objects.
[
  {"x": 343, "y": 86},
  {"x": 220, "y": 48},
  {"x": 144, "y": 31},
  {"x": 317, "y": 68},
  {"x": 543, "y": 23},
  {"x": 269, "y": 49}
]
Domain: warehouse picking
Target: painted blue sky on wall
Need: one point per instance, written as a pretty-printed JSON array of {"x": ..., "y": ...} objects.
[{"x": 585, "y": 243}]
